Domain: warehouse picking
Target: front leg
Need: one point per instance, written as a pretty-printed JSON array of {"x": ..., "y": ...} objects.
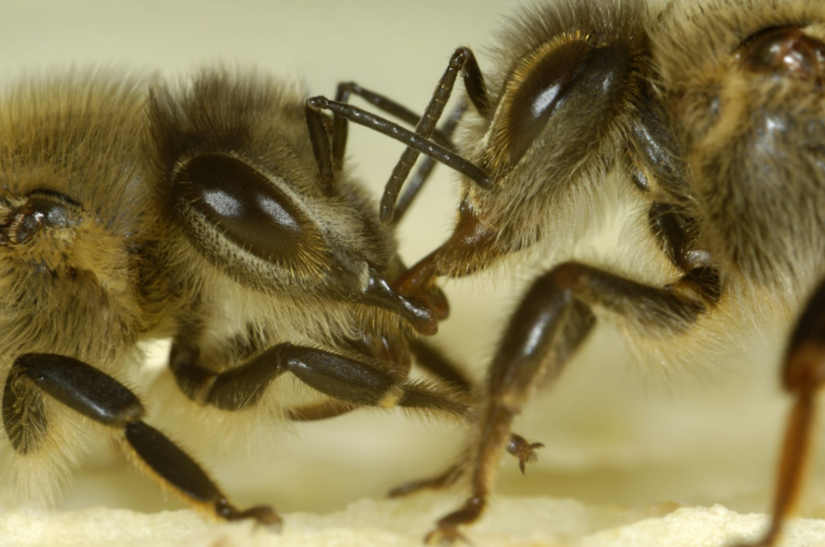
[{"x": 99, "y": 397}]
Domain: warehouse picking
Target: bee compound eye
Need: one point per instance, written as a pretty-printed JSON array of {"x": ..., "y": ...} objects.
[
  {"x": 244, "y": 205},
  {"x": 785, "y": 50},
  {"x": 544, "y": 81},
  {"x": 541, "y": 92},
  {"x": 41, "y": 209}
]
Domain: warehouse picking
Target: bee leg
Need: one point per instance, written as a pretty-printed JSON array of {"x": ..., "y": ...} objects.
[
  {"x": 348, "y": 380},
  {"x": 99, "y": 397},
  {"x": 320, "y": 411},
  {"x": 445, "y": 479},
  {"x": 380, "y": 347},
  {"x": 803, "y": 374},
  {"x": 517, "y": 446},
  {"x": 435, "y": 362},
  {"x": 550, "y": 323},
  {"x": 431, "y": 359},
  {"x": 383, "y": 348}
]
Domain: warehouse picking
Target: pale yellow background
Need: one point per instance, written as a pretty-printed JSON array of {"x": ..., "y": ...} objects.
[{"x": 613, "y": 435}]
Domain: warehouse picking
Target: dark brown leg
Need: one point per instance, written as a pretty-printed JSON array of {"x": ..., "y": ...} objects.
[
  {"x": 317, "y": 412},
  {"x": 97, "y": 396},
  {"x": 802, "y": 375},
  {"x": 517, "y": 446},
  {"x": 428, "y": 357},
  {"x": 434, "y": 361},
  {"x": 347, "y": 380},
  {"x": 549, "y": 325},
  {"x": 443, "y": 480}
]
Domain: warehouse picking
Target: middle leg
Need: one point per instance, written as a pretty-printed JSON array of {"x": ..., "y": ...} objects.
[
  {"x": 551, "y": 322},
  {"x": 348, "y": 380}
]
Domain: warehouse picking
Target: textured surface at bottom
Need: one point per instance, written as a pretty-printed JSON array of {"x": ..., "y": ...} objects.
[{"x": 367, "y": 523}]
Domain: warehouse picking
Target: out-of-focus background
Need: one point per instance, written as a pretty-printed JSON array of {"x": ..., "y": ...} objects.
[{"x": 612, "y": 433}]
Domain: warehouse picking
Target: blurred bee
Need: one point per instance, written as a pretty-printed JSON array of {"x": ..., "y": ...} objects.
[
  {"x": 712, "y": 115},
  {"x": 207, "y": 211}
]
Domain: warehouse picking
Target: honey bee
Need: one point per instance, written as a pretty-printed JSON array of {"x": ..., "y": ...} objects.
[
  {"x": 208, "y": 211},
  {"x": 708, "y": 118}
]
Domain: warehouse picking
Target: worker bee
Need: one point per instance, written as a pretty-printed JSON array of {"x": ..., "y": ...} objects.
[
  {"x": 209, "y": 211},
  {"x": 708, "y": 118}
]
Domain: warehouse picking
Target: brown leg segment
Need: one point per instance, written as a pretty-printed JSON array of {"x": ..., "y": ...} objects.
[
  {"x": 443, "y": 480},
  {"x": 803, "y": 374},
  {"x": 97, "y": 396},
  {"x": 554, "y": 317},
  {"x": 349, "y": 381},
  {"x": 317, "y": 412},
  {"x": 385, "y": 349},
  {"x": 517, "y": 446},
  {"x": 432, "y": 360}
]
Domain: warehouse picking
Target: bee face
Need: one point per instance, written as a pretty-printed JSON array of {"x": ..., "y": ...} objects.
[
  {"x": 207, "y": 211},
  {"x": 240, "y": 157}
]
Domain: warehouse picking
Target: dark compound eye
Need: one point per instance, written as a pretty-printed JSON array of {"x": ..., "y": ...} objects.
[
  {"x": 42, "y": 208},
  {"x": 784, "y": 50},
  {"x": 244, "y": 205},
  {"x": 541, "y": 92},
  {"x": 540, "y": 86}
]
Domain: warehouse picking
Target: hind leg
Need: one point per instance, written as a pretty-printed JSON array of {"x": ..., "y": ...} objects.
[{"x": 803, "y": 374}]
